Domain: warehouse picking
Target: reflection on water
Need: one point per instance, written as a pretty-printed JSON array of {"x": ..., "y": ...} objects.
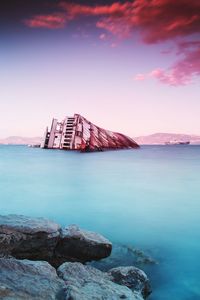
[{"x": 147, "y": 199}]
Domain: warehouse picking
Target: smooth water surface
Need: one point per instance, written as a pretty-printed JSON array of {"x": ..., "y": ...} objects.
[{"x": 148, "y": 198}]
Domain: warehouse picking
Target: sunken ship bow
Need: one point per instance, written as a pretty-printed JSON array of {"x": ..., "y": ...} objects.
[{"x": 77, "y": 133}]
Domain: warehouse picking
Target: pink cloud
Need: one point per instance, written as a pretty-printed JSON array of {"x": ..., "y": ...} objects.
[
  {"x": 156, "y": 20},
  {"x": 103, "y": 36},
  {"x": 75, "y": 10},
  {"x": 173, "y": 18},
  {"x": 171, "y": 77},
  {"x": 113, "y": 45},
  {"x": 140, "y": 77},
  {"x": 160, "y": 20},
  {"x": 183, "y": 71},
  {"x": 52, "y": 21},
  {"x": 117, "y": 27}
]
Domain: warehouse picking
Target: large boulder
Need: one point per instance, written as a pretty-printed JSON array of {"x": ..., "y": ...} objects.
[
  {"x": 79, "y": 245},
  {"x": 87, "y": 283},
  {"x": 24, "y": 237},
  {"x": 25, "y": 279},
  {"x": 133, "y": 278},
  {"x": 40, "y": 239}
]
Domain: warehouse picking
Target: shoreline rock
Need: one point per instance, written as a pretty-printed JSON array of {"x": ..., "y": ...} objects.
[
  {"x": 26, "y": 279},
  {"x": 133, "y": 278},
  {"x": 31, "y": 238},
  {"x": 88, "y": 283},
  {"x": 31, "y": 248},
  {"x": 40, "y": 239},
  {"x": 80, "y": 245}
]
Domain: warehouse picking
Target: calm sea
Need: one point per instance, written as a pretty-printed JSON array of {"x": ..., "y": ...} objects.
[{"x": 147, "y": 198}]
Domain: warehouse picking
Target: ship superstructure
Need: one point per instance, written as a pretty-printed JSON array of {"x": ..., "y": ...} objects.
[{"x": 77, "y": 133}]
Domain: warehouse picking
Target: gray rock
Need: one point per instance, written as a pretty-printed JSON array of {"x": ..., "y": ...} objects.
[
  {"x": 27, "y": 280},
  {"x": 24, "y": 237},
  {"x": 133, "y": 278},
  {"x": 87, "y": 283},
  {"x": 40, "y": 239},
  {"x": 76, "y": 244}
]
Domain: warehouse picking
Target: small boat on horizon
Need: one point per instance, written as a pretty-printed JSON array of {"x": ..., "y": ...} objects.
[
  {"x": 175, "y": 142},
  {"x": 33, "y": 145}
]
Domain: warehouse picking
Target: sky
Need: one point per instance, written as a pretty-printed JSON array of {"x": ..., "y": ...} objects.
[{"x": 128, "y": 66}]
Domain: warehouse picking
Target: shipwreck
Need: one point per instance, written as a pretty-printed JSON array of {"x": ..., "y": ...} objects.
[{"x": 77, "y": 133}]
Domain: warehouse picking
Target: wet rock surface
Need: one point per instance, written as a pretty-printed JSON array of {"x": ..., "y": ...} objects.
[
  {"x": 133, "y": 278},
  {"x": 27, "y": 280},
  {"x": 76, "y": 244},
  {"x": 88, "y": 283},
  {"x": 41, "y": 239},
  {"x": 28, "y": 245},
  {"x": 24, "y": 237}
]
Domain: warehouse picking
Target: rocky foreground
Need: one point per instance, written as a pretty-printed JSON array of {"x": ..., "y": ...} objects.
[{"x": 40, "y": 260}]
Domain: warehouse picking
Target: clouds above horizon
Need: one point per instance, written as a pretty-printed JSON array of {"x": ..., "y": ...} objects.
[
  {"x": 183, "y": 70},
  {"x": 156, "y": 21}
]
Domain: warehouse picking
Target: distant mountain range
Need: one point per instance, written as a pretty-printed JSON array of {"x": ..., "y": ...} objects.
[
  {"x": 18, "y": 140},
  {"x": 152, "y": 139},
  {"x": 162, "y": 138}
]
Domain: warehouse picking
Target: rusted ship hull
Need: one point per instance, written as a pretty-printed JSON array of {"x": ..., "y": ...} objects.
[{"x": 77, "y": 133}]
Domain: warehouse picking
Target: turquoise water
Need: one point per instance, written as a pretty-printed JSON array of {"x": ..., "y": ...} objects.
[{"x": 148, "y": 198}]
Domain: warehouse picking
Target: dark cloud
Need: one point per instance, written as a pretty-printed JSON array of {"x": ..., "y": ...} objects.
[{"x": 158, "y": 20}]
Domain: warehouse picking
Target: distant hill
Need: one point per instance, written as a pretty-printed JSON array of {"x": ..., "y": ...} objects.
[
  {"x": 18, "y": 140},
  {"x": 162, "y": 138},
  {"x": 152, "y": 139}
]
